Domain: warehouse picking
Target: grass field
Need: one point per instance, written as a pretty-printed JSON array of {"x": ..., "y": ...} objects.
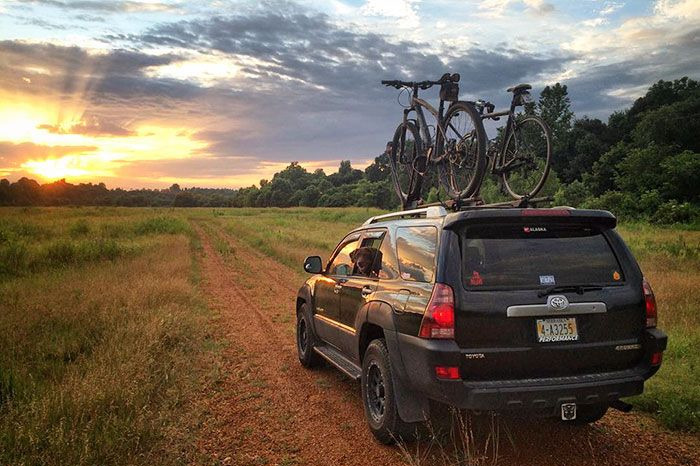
[
  {"x": 106, "y": 342},
  {"x": 104, "y": 337}
]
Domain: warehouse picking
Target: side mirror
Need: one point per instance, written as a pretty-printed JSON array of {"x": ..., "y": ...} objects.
[{"x": 313, "y": 264}]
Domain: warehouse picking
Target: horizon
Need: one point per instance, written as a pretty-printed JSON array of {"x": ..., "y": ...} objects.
[{"x": 141, "y": 95}]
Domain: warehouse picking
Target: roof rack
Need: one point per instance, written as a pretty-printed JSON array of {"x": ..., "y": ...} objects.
[
  {"x": 440, "y": 209},
  {"x": 478, "y": 203},
  {"x": 432, "y": 211}
]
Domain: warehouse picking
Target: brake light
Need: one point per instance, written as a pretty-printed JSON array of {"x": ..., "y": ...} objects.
[
  {"x": 650, "y": 303},
  {"x": 545, "y": 212},
  {"x": 439, "y": 318},
  {"x": 656, "y": 359},
  {"x": 447, "y": 372}
]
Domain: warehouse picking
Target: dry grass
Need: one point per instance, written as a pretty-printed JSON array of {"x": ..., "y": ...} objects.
[{"x": 101, "y": 359}]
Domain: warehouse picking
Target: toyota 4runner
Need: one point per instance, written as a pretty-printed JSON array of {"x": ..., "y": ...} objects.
[{"x": 542, "y": 311}]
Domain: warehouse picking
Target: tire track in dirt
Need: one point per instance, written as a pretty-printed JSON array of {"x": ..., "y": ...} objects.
[
  {"x": 268, "y": 409},
  {"x": 316, "y": 417}
]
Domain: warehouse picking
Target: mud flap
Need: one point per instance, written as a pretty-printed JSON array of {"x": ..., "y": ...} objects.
[{"x": 412, "y": 406}]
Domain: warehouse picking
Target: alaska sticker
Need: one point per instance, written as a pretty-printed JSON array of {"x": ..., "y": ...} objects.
[
  {"x": 534, "y": 229},
  {"x": 547, "y": 280},
  {"x": 616, "y": 275}
]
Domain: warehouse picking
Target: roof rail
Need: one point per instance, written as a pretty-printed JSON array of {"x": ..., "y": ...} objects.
[{"x": 425, "y": 212}]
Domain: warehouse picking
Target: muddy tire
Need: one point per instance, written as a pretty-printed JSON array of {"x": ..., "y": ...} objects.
[
  {"x": 379, "y": 398},
  {"x": 588, "y": 414},
  {"x": 306, "y": 340}
]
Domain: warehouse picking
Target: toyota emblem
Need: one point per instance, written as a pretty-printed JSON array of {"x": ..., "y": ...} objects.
[{"x": 558, "y": 303}]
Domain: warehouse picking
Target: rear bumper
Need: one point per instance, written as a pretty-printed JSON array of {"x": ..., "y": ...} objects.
[{"x": 420, "y": 356}]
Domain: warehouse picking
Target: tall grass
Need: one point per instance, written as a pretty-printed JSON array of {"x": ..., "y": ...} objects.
[
  {"x": 38, "y": 240},
  {"x": 104, "y": 339}
]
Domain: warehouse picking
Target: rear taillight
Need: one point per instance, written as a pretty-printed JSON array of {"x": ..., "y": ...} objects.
[
  {"x": 650, "y": 303},
  {"x": 447, "y": 372},
  {"x": 439, "y": 318},
  {"x": 656, "y": 359}
]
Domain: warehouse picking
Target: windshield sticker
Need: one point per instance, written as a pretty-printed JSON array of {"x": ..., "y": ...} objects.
[
  {"x": 476, "y": 279},
  {"x": 547, "y": 280},
  {"x": 406, "y": 276},
  {"x": 616, "y": 275},
  {"x": 534, "y": 229}
]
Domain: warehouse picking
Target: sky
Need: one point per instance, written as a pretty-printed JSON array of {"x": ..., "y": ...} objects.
[{"x": 225, "y": 93}]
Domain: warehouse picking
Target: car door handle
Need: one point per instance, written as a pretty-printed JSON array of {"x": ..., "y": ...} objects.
[
  {"x": 337, "y": 288},
  {"x": 366, "y": 291}
]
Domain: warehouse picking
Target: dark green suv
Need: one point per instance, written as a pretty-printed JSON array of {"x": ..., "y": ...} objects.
[{"x": 506, "y": 309}]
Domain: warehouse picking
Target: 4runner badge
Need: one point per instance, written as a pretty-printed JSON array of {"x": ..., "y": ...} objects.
[{"x": 557, "y": 303}]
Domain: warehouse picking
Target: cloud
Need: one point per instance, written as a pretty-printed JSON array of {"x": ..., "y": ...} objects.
[
  {"x": 279, "y": 82},
  {"x": 90, "y": 126},
  {"x": 405, "y": 12},
  {"x": 112, "y": 6},
  {"x": 13, "y": 154}
]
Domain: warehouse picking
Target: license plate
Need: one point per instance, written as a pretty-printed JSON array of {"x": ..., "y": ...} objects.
[{"x": 557, "y": 330}]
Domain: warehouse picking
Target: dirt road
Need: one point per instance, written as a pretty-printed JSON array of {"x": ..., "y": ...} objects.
[{"x": 268, "y": 409}]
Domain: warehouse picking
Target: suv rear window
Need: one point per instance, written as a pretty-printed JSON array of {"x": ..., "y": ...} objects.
[
  {"x": 532, "y": 256},
  {"x": 415, "y": 247}
]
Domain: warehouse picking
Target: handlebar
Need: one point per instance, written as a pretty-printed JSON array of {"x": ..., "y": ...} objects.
[{"x": 446, "y": 78}]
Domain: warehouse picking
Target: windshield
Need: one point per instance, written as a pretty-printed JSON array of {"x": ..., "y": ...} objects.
[{"x": 536, "y": 256}]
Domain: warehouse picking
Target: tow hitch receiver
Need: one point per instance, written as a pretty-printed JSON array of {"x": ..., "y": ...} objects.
[{"x": 568, "y": 411}]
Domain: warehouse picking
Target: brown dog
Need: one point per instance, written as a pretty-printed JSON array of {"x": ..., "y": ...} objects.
[{"x": 368, "y": 261}]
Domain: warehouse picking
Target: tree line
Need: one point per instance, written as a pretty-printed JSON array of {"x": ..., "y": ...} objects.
[{"x": 643, "y": 163}]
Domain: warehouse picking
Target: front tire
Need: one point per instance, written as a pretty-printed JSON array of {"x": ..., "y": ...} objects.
[
  {"x": 306, "y": 340},
  {"x": 379, "y": 398}
]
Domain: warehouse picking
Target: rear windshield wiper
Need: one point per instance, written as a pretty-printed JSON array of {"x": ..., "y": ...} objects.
[{"x": 579, "y": 289}]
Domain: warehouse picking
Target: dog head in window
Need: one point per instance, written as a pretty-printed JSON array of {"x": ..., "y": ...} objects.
[{"x": 368, "y": 261}]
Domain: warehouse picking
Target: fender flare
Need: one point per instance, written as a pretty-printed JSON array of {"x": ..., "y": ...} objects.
[
  {"x": 412, "y": 406},
  {"x": 304, "y": 294}
]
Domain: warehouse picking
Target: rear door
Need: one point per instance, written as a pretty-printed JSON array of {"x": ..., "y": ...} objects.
[
  {"x": 327, "y": 290},
  {"x": 539, "y": 299}
]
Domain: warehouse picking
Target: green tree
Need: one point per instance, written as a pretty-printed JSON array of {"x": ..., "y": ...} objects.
[{"x": 554, "y": 106}]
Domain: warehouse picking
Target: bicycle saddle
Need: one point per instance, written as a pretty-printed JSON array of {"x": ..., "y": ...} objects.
[{"x": 519, "y": 88}]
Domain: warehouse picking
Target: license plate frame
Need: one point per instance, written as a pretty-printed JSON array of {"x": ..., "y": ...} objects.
[{"x": 556, "y": 330}]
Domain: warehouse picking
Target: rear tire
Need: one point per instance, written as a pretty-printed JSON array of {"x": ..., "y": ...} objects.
[
  {"x": 379, "y": 398},
  {"x": 463, "y": 160},
  {"x": 406, "y": 153},
  {"x": 306, "y": 340},
  {"x": 588, "y": 414},
  {"x": 530, "y": 144}
]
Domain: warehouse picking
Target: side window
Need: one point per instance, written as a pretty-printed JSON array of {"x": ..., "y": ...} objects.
[
  {"x": 342, "y": 263},
  {"x": 368, "y": 257},
  {"x": 415, "y": 247}
]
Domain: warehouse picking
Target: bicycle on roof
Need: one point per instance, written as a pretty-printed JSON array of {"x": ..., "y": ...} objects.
[
  {"x": 522, "y": 152},
  {"x": 458, "y": 148},
  {"x": 520, "y": 155}
]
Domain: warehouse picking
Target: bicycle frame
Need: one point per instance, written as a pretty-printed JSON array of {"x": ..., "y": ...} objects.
[
  {"x": 497, "y": 166},
  {"x": 417, "y": 105}
]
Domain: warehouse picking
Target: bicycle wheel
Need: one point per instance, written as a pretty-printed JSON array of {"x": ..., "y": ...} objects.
[
  {"x": 405, "y": 162},
  {"x": 527, "y": 156},
  {"x": 463, "y": 161}
]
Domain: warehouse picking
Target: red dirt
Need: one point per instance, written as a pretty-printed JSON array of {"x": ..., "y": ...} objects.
[{"x": 268, "y": 409}]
